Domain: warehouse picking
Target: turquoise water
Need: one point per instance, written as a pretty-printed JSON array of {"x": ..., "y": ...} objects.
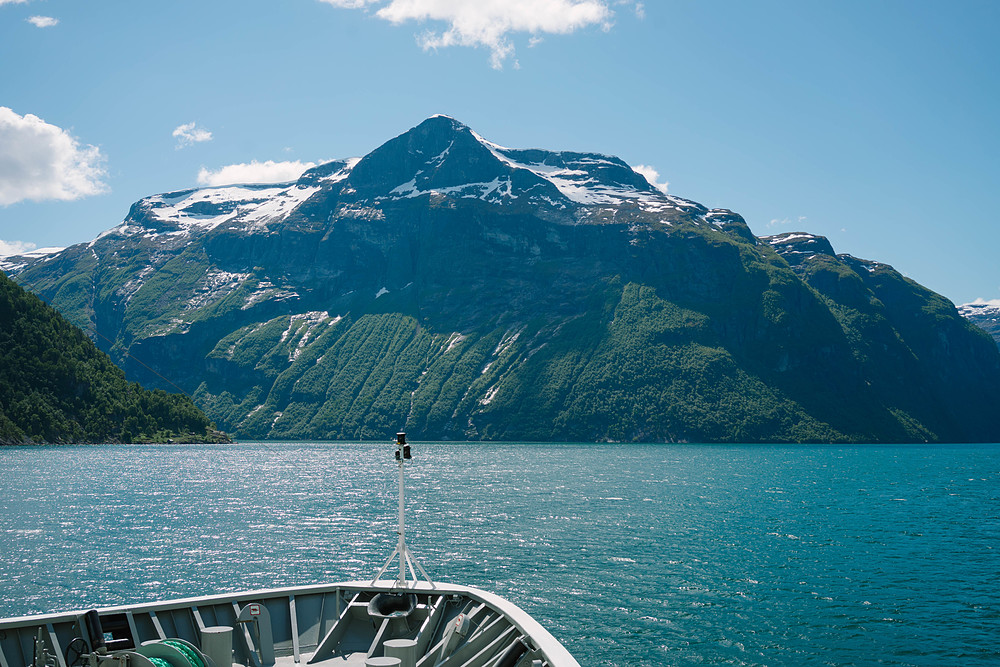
[{"x": 629, "y": 554}]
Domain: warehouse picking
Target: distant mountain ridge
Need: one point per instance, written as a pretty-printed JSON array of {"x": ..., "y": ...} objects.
[
  {"x": 985, "y": 315},
  {"x": 454, "y": 288}
]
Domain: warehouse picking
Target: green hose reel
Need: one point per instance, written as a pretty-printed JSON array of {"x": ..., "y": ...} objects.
[
  {"x": 173, "y": 653},
  {"x": 194, "y": 657}
]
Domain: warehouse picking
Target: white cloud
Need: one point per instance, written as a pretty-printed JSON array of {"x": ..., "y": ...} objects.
[
  {"x": 8, "y": 248},
  {"x": 188, "y": 134},
  {"x": 254, "y": 172},
  {"x": 12, "y": 2},
  {"x": 11, "y": 248},
  {"x": 42, "y": 21},
  {"x": 40, "y": 161},
  {"x": 986, "y": 302},
  {"x": 489, "y": 23},
  {"x": 652, "y": 176}
]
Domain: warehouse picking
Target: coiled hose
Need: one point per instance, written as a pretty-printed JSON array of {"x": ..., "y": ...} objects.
[{"x": 192, "y": 657}]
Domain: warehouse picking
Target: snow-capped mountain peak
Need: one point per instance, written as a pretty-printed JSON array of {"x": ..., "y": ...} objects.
[
  {"x": 982, "y": 306},
  {"x": 444, "y": 156},
  {"x": 985, "y": 314},
  {"x": 246, "y": 207},
  {"x": 14, "y": 261},
  {"x": 439, "y": 158}
]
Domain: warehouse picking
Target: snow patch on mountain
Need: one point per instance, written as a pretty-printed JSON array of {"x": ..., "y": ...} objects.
[
  {"x": 280, "y": 206},
  {"x": 214, "y": 286},
  {"x": 302, "y": 327},
  {"x": 985, "y": 314},
  {"x": 718, "y": 217},
  {"x": 438, "y": 160},
  {"x": 798, "y": 244},
  {"x": 577, "y": 177},
  {"x": 496, "y": 189},
  {"x": 981, "y": 308},
  {"x": 453, "y": 340},
  {"x": 34, "y": 253},
  {"x": 132, "y": 286},
  {"x": 208, "y": 208},
  {"x": 343, "y": 173},
  {"x": 245, "y": 207},
  {"x": 15, "y": 261},
  {"x": 266, "y": 290}
]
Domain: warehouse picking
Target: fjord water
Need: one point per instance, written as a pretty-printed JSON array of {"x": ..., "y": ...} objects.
[{"x": 629, "y": 554}]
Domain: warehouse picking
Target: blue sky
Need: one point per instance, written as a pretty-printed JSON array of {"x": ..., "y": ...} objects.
[{"x": 872, "y": 123}]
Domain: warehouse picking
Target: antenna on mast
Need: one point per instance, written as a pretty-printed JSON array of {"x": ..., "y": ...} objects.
[{"x": 406, "y": 557}]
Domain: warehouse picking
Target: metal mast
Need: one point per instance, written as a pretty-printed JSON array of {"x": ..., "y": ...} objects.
[
  {"x": 401, "y": 547},
  {"x": 406, "y": 557}
]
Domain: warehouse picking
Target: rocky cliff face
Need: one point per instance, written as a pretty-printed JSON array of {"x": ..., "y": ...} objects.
[{"x": 457, "y": 289}]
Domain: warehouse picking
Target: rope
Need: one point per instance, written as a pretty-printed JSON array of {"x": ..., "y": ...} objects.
[
  {"x": 111, "y": 344},
  {"x": 159, "y": 662},
  {"x": 191, "y": 656}
]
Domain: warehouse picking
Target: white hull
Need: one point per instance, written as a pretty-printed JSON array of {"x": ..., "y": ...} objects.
[{"x": 325, "y": 625}]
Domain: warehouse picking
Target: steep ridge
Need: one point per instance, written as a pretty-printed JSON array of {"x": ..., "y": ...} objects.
[
  {"x": 908, "y": 342},
  {"x": 460, "y": 289},
  {"x": 57, "y": 387}
]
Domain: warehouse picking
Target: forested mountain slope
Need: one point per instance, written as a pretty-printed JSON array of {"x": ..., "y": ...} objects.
[{"x": 57, "y": 387}]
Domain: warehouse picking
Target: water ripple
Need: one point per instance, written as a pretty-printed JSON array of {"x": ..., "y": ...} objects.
[{"x": 632, "y": 555}]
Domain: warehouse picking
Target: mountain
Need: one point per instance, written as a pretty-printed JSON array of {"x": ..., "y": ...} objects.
[
  {"x": 454, "y": 288},
  {"x": 56, "y": 386},
  {"x": 985, "y": 315}
]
